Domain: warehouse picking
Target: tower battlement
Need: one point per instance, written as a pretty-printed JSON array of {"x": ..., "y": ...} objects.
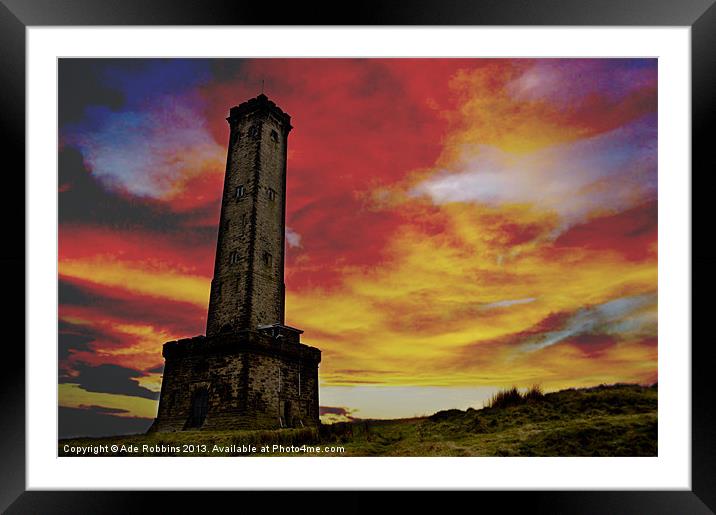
[{"x": 259, "y": 104}]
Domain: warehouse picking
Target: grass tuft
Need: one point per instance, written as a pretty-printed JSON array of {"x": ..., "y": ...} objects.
[
  {"x": 506, "y": 398},
  {"x": 534, "y": 393},
  {"x": 513, "y": 397}
]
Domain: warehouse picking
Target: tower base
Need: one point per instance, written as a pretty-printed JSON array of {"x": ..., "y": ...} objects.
[{"x": 263, "y": 379}]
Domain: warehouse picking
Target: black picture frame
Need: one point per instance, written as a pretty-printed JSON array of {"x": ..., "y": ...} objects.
[{"x": 17, "y": 15}]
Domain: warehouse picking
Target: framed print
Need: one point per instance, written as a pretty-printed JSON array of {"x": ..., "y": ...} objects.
[{"x": 432, "y": 250}]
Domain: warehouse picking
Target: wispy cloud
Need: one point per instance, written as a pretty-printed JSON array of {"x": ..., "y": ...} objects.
[
  {"x": 151, "y": 152},
  {"x": 614, "y": 317},
  {"x": 293, "y": 238},
  {"x": 608, "y": 172},
  {"x": 507, "y": 303}
]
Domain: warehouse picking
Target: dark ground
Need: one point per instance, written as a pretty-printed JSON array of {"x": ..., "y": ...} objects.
[{"x": 616, "y": 420}]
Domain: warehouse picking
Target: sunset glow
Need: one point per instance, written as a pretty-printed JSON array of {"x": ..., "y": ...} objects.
[{"x": 454, "y": 226}]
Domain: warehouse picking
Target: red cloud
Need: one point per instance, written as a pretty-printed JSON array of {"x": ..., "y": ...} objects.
[
  {"x": 593, "y": 345},
  {"x": 632, "y": 233},
  {"x": 359, "y": 125},
  {"x": 188, "y": 251}
]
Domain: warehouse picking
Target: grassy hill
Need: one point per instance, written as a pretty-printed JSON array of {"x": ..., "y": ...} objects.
[{"x": 617, "y": 420}]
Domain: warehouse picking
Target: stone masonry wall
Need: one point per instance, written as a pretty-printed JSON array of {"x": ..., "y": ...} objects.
[
  {"x": 252, "y": 382},
  {"x": 248, "y": 285}
]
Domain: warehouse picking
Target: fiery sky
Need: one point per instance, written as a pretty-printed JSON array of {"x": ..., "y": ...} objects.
[{"x": 454, "y": 226}]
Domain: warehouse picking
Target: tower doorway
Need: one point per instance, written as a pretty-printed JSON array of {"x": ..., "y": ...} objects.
[{"x": 199, "y": 408}]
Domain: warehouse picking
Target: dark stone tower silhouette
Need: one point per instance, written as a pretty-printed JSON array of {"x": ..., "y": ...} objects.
[
  {"x": 248, "y": 290},
  {"x": 250, "y": 370}
]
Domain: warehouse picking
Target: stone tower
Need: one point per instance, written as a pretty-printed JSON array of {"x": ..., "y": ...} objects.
[
  {"x": 248, "y": 290},
  {"x": 250, "y": 371}
]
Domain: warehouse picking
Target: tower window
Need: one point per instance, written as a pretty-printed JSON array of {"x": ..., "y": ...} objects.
[
  {"x": 240, "y": 191},
  {"x": 234, "y": 257},
  {"x": 254, "y": 131},
  {"x": 274, "y": 136},
  {"x": 271, "y": 194},
  {"x": 268, "y": 259}
]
